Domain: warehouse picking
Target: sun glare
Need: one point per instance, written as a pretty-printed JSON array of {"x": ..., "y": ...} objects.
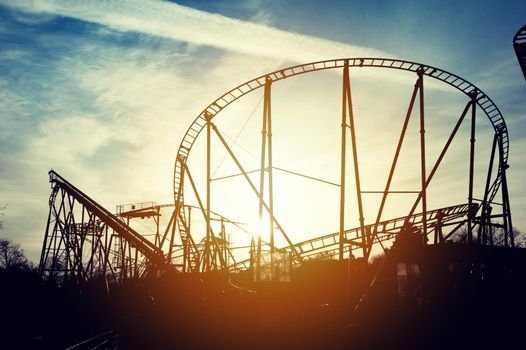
[{"x": 303, "y": 187}]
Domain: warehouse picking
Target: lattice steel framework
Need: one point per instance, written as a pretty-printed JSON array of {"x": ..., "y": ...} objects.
[
  {"x": 84, "y": 241},
  {"x": 183, "y": 251},
  {"x": 478, "y": 215}
]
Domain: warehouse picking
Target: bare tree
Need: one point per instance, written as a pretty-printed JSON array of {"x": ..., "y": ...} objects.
[
  {"x": 460, "y": 236},
  {"x": 11, "y": 255},
  {"x": 519, "y": 237},
  {"x": 2, "y": 209}
]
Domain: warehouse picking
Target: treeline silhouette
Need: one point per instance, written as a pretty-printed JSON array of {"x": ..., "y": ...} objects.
[{"x": 435, "y": 297}]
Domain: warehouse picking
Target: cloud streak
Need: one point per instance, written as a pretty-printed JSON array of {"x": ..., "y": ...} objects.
[
  {"x": 109, "y": 116},
  {"x": 173, "y": 21}
]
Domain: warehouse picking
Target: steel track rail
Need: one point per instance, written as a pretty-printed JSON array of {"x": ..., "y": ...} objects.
[
  {"x": 148, "y": 249},
  {"x": 387, "y": 230},
  {"x": 483, "y": 101}
]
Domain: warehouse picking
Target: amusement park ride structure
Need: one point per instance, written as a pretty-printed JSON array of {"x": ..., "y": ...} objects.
[
  {"x": 519, "y": 44},
  {"x": 83, "y": 240}
]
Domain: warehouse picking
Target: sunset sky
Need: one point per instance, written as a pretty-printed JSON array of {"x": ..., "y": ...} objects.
[{"x": 103, "y": 92}]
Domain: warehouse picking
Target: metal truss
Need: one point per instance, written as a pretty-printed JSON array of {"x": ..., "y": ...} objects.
[
  {"x": 483, "y": 101},
  {"x": 175, "y": 239},
  {"x": 84, "y": 241},
  {"x": 481, "y": 216},
  {"x": 327, "y": 246}
]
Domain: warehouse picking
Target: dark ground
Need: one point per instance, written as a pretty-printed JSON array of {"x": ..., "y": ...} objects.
[{"x": 462, "y": 298}]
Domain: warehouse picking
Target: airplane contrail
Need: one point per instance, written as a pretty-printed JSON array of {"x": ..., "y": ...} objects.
[{"x": 182, "y": 23}]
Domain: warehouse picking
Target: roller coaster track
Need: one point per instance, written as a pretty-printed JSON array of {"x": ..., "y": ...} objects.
[
  {"x": 328, "y": 244},
  {"x": 483, "y": 101},
  {"x": 519, "y": 44},
  {"x": 177, "y": 254},
  {"x": 143, "y": 245}
]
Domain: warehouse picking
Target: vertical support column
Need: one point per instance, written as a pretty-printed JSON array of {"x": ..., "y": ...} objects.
[
  {"x": 485, "y": 227},
  {"x": 270, "y": 173},
  {"x": 356, "y": 168},
  {"x": 506, "y": 210},
  {"x": 66, "y": 236},
  {"x": 342, "y": 164},
  {"x": 122, "y": 262},
  {"x": 262, "y": 180},
  {"x": 224, "y": 242},
  {"x": 107, "y": 247},
  {"x": 44, "y": 254},
  {"x": 173, "y": 221},
  {"x": 208, "y": 228},
  {"x": 420, "y": 73},
  {"x": 471, "y": 212},
  {"x": 184, "y": 241},
  {"x": 187, "y": 242},
  {"x": 508, "y": 226},
  {"x": 135, "y": 263},
  {"x": 157, "y": 233},
  {"x": 268, "y": 85},
  {"x": 252, "y": 249}
]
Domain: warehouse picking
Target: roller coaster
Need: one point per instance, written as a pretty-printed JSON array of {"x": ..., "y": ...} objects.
[
  {"x": 83, "y": 240},
  {"x": 519, "y": 44},
  {"x": 198, "y": 273}
]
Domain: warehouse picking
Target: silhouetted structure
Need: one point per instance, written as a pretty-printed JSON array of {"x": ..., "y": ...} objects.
[
  {"x": 519, "y": 44},
  {"x": 84, "y": 241},
  {"x": 177, "y": 287}
]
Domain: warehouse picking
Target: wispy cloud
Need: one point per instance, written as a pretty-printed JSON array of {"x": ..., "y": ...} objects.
[
  {"x": 106, "y": 116},
  {"x": 109, "y": 116},
  {"x": 169, "y": 20},
  {"x": 173, "y": 21}
]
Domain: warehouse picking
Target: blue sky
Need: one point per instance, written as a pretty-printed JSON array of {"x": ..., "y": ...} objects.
[{"x": 103, "y": 92}]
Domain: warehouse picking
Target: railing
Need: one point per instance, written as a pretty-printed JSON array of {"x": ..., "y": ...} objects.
[{"x": 386, "y": 231}]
